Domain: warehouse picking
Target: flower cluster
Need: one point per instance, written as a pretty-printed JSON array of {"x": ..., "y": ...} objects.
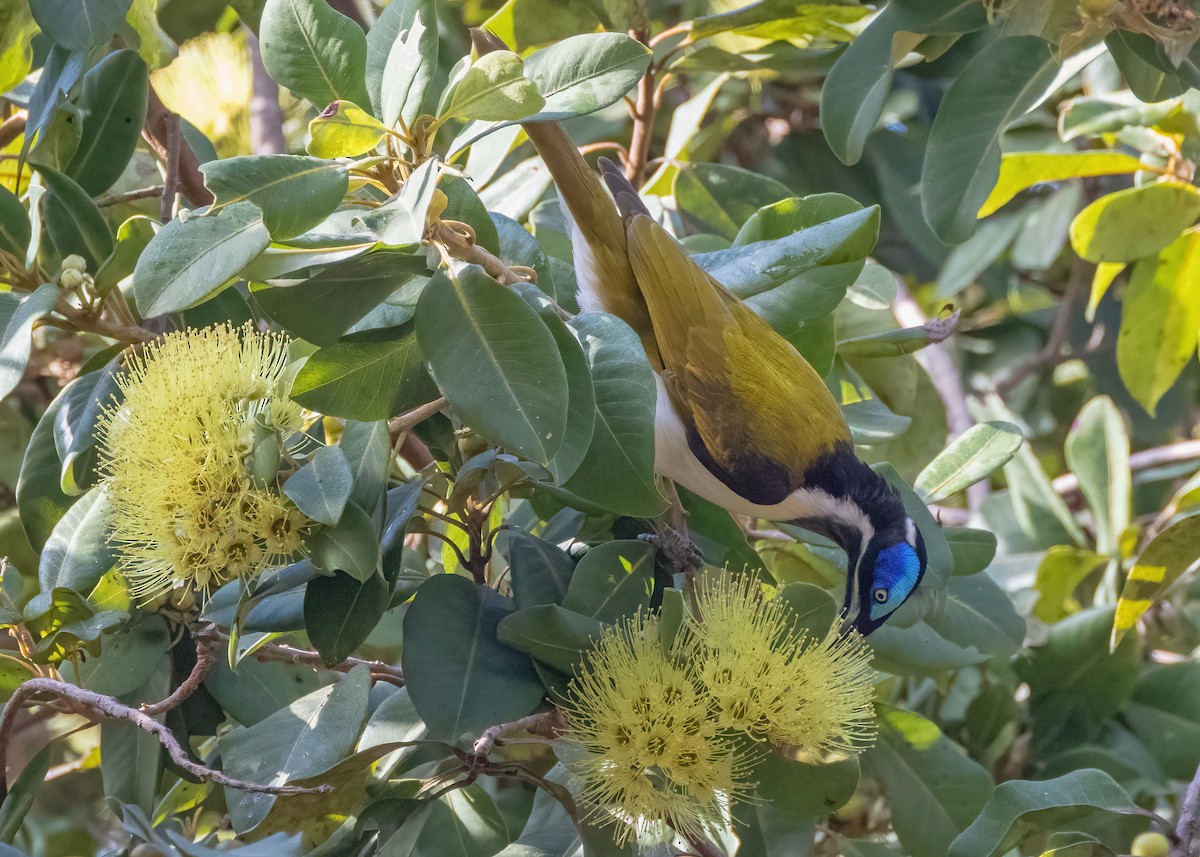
[
  {"x": 191, "y": 507},
  {"x": 662, "y": 727}
]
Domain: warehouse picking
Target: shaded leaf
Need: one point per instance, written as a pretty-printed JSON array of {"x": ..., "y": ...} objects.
[
  {"x": 294, "y": 193},
  {"x": 313, "y": 50}
]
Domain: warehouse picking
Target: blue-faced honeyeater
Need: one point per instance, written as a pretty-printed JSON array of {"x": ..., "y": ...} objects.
[{"x": 742, "y": 419}]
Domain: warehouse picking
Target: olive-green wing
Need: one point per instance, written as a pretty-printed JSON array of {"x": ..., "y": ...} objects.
[{"x": 760, "y": 411}]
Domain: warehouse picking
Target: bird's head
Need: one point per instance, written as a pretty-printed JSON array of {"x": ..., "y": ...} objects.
[{"x": 883, "y": 575}]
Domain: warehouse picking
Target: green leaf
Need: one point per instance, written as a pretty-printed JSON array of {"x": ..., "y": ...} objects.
[
  {"x": 294, "y": 193},
  {"x": 341, "y": 612},
  {"x": 76, "y": 426},
  {"x": 112, "y": 111},
  {"x": 366, "y": 376},
  {"x": 1097, "y": 451},
  {"x": 1021, "y": 170},
  {"x": 806, "y": 18},
  {"x": 259, "y": 688},
  {"x": 1162, "y": 713},
  {"x": 934, "y": 789},
  {"x": 977, "y": 613},
  {"x": 805, "y": 790},
  {"x": 1165, "y": 559},
  {"x": 133, "y": 758},
  {"x": 1021, "y": 808},
  {"x": 858, "y": 85},
  {"x": 581, "y": 397},
  {"x": 495, "y": 361},
  {"x": 16, "y": 50},
  {"x": 14, "y": 671},
  {"x": 79, "y": 24},
  {"x": 17, "y": 315},
  {"x": 73, "y": 221},
  {"x": 78, "y": 553},
  {"x": 190, "y": 260},
  {"x": 401, "y": 221},
  {"x": 402, "y": 59},
  {"x": 321, "y": 488},
  {"x": 720, "y": 198},
  {"x": 494, "y": 88},
  {"x": 15, "y": 230},
  {"x": 962, "y": 159},
  {"x": 368, "y": 449},
  {"x": 460, "y": 677},
  {"x": 324, "y": 306},
  {"x": 1075, "y": 683},
  {"x": 343, "y": 130},
  {"x": 20, "y": 797},
  {"x": 970, "y": 259},
  {"x": 585, "y": 73},
  {"x": 352, "y": 546},
  {"x": 974, "y": 455},
  {"x": 1061, "y": 570},
  {"x": 940, "y": 17},
  {"x": 40, "y": 498},
  {"x": 1103, "y": 232},
  {"x": 540, "y": 571},
  {"x": 554, "y": 635},
  {"x": 1039, "y": 509},
  {"x": 612, "y": 581},
  {"x": 618, "y": 471},
  {"x": 128, "y": 656},
  {"x": 313, "y": 50},
  {"x": 307, "y": 738},
  {"x": 529, "y": 23},
  {"x": 1159, "y": 319},
  {"x": 973, "y": 549}
]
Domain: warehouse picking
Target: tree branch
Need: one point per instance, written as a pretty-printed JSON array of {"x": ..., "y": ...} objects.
[
  {"x": 379, "y": 670},
  {"x": 400, "y": 424},
  {"x": 129, "y": 196},
  {"x": 266, "y": 116},
  {"x": 155, "y": 132},
  {"x": 1147, "y": 459},
  {"x": 1185, "y": 831},
  {"x": 98, "y": 705},
  {"x": 643, "y": 125},
  {"x": 459, "y": 241},
  {"x": 83, "y": 320},
  {"x": 206, "y": 656}
]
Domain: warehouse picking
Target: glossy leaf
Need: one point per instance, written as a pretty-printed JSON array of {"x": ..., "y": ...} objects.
[
  {"x": 17, "y": 315},
  {"x": 79, "y": 24},
  {"x": 14, "y": 224},
  {"x": 1021, "y": 808},
  {"x": 1102, "y": 233},
  {"x": 342, "y": 130},
  {"x": 128, "y": 657},
  {"x": 294, "y": 193},
  {"x": 307, "y": 738},
  {"x": 585, "y": 73},
  {"x": 962, "y": 160},
  {"x": 366, "y": 376},
  {"x": 190, "y": 260},
  {"x": 1098, "y": 453},
  {"x": 540, "y": 571},
  {"x": 934, "y": 789},
  {"x": 40, "y": 498},
  {"x": 73, "y": 221},
  {"x": 1162, "y": 714},
  {"x": 612, "y": 581},
  {"x": 340, "y": 612},
  {"x": 974, "y": 455},
  {"x": 554, "y": 635},
  {"x": 112, "y": 111},
  {"x": 1061, "y": 570},
  {"x": 352, "y": 546},
  {"x": 321, "y": 488},
  {"x": 1169, "y": 555},
  {"x": 494, "y": 88},
  {"x": 1159, "y": 320},
  {"x": 721, "y": 198},
  {"x": 618, "y": 470},
  {"x": 313, "y": 50},
  {"x": 402, "y": 54},
  {"x": 78, "y": 553},
  {"x": 461, "y": 678},
  {"x": 1021, "y": 170},
  {"x": 495, "y": 361}
]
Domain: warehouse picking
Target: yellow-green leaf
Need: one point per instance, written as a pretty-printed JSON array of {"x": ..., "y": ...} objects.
[
  {"x": 495, "y": 89},
  {"x": 1172, "y": 552},
  {"x": 343, "y": 130},
  {"x": 1106, "y": 272},
  {"x": 1133, "y": 223},
  {"x": 1159, "y": 320},
  {"x": 1020, "y": 170}
]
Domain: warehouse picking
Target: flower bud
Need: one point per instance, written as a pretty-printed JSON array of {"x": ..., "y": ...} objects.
[
  {"x": 1150, "y": 844},
  {"x": 74, "y": 262},
  {"x": 70, "y": 279}
]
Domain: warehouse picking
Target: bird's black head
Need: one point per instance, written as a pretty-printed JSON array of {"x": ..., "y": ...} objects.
[
  {"x": 885, "y": 553},
  {"x": 883, "y": 576}
]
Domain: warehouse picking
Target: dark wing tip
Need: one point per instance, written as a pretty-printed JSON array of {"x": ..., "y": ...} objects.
[
  {"x": 625, "y": 194},
  {"x": 485, "y": 41}
]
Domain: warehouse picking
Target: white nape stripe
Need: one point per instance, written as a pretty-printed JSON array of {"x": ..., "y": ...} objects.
[
  {"x": 586, "y": 275},
  {"x": 910, "y": 531},
  {"x": 674, "y": 459}
]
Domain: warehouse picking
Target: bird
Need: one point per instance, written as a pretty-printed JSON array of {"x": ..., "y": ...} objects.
[{"x": 741, "y": 418}]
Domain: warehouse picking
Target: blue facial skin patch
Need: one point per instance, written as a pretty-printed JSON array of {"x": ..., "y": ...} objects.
[{"x": 896, "y": 570}]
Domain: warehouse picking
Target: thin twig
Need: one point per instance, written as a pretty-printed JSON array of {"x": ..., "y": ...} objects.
[
  {"x": 129, "y": 196},
  {"x": 105, "y": 706},
  {"x": 171, "y": 183},
  {"x": 12, "y": 128},
  {"x": 206, "y": 656},
  {"x": 398, "y": 425},
  {"x": 544, "y": 724},
  {"x": 379, "y": 670},
  {"x": 643, "y": 126},
  {"x": 86, "y": 321},
  {"x": 1185, "y": 830},
  {"x": 1147, "y": 459},
  {"x": 190, "y": 180}
]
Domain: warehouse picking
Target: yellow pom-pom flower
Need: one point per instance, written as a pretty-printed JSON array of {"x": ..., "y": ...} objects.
[
  {"x": 772, "y": 683},
  {"x": 654, "y": 759},
  {"x": 176, "y": 459}
]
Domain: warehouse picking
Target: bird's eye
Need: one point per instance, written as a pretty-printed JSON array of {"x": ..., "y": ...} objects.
[{"x": 880, "y": 595}]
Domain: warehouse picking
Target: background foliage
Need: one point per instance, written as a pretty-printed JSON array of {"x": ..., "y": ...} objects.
[{"x": 852, "y": 172}]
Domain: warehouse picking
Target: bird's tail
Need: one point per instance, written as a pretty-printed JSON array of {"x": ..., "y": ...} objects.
[{"x": 606, "y": 280}]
